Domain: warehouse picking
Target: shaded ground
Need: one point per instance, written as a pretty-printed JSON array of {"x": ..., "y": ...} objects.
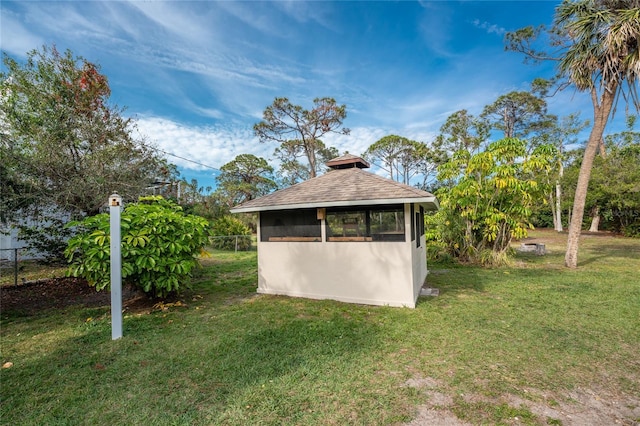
[{"x": 38, "y": 296}]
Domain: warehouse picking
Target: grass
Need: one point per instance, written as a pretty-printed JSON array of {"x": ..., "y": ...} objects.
[
  {"x": 534, "y": 331},
  {"x": 28, "y": 270}
]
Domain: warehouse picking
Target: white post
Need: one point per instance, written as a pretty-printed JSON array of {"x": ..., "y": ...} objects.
[{"x": 115, "y": 202}]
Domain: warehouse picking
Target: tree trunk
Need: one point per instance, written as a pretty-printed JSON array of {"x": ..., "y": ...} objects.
[
  {"x": 309, "y": 149},
  {"x": 558, "y": 219},
  {"x": 602, "y": 149},
  {"x": 601, "y": 116},
  {"x": 595, "y": 219},
  {"x": 552, "y": 205},
  {"x": 558, "y": 213}
]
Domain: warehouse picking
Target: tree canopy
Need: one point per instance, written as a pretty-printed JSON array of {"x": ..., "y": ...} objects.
[
  {"x": 402, "y": 158},
  {"x": 292, "y": 170},
  {"x": 461, "y": 130},
  {"x": 597, "y": 44},
  {"x": 301, "y": 130},
  {"x": 518, "y": 114},
  {"x": 490, "y": 198},
  {"x": 244, "y": 178},
  {"x": 62, "y": 144}
]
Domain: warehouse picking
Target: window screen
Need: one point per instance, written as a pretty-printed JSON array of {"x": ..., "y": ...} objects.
[
  {"x": 366, "y": 224},
  {"x": 290, "y": 225},
  {"x": 387, "y": 225},
  {"x": 419, "y": 225},
  {"x": 413, "y": 225}
]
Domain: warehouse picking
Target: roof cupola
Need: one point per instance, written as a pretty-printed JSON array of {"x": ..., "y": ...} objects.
[{"x": 347, "y": 161}]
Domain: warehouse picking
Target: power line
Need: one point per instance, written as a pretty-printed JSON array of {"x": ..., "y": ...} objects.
[{"x": 183, "y": 158}]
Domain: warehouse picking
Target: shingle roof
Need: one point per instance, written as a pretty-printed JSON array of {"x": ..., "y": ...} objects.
[{"x": 343, "y": 187}]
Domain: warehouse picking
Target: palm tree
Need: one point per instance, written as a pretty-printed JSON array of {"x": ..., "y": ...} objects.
[{"x": 602, "y": 58}]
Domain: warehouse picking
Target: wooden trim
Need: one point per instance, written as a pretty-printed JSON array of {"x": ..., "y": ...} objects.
[
  {"x": 294, "y": 239},
  {"x": 349, "y": 239}
]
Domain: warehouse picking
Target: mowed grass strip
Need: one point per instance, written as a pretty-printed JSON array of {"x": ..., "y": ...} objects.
[{"x": 233, "y": 357}]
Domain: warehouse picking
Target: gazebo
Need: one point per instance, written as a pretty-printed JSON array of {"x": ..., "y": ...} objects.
[{"x": 347, "y": 235}]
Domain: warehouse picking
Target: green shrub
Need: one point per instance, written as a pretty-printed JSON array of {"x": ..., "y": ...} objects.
[
  {"x": 632, "y": 230},
  {"x": 224, "y": 231},
  {"x": 160, "y": 246}
]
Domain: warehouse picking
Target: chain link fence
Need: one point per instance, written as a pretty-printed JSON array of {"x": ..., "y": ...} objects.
[
  {"x": 9, "y": 260},
  {"x": 233, "y": 242}
]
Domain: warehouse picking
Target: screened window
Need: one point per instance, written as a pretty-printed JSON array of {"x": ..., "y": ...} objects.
[
  {"x": 347, "y": 226},
  {"x": 290, "y": 225},
  {"x": 366, "y": 224},
  {"x": 387, "y": 225},
  {"x": 419, "y": 225},
  {"x": 413, "y": 224}
]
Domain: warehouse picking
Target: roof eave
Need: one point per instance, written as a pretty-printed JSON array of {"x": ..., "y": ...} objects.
[{"x": 429, "y": 203}]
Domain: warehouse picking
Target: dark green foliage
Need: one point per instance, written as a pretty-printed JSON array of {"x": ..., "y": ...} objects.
[
  {"x": 48, "y": 240},
  {"x": 292, "y": 170},
  {"x": 541, "y": 217},
  {"x": 229, "y": 233},
  {"x": 614, "y": 189},
  {"x": 160, "y": 246},
  {"x": 62, "y": 144},
  {"x": 244, "y": 178}
]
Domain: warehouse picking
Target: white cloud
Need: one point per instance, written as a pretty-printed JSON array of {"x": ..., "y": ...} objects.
[
  {"x": 304, "y": 12},
  {"x": 188, "y": 23},
  {"x": 436, "y": 30},
  {"x": 62, "y": 22},
  {"x": 215, "y": 146},
  {"x": 16, "y": 39},
  {"x": 253, "y": 15},
  {"x": 212, "y": 146},
  {"x": 488, "y": 27},
  {"x": 357, "y": 142}
]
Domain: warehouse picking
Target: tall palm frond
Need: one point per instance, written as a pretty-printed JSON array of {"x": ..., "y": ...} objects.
[{"x": 605, "y": 48}]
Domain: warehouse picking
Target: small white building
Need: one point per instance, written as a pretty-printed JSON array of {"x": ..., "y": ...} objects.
[{"x": 348, "y": 235}]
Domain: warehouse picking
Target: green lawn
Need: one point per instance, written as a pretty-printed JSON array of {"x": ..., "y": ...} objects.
[{"x": 523, "y": 342}]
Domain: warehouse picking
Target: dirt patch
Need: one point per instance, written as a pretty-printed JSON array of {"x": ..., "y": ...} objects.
[
  {"x": 436, "y": 411},
  {"x": 584, "y": 407},
  {"x": 37, "y": 296},
  {"x": 576, "y": 408}
]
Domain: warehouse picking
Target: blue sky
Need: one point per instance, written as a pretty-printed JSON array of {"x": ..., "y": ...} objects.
[{"x": 196, "y": 75}]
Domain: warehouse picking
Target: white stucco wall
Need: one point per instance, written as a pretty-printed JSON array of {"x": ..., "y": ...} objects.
[
  {"x": 418, "y": 257},
  {"x": 419, "y": 264},
  {"x": 376, "y": 273}
]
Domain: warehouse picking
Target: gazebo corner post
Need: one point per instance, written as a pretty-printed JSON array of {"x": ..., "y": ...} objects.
[{"x": 115, "y": 206}]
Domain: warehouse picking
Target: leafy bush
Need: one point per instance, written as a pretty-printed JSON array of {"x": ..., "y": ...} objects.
[
  {"x": 632, "y": 230},
  {"x": 224, "y": 232},
  {"x": 490, "y": 199},
  {"x": 160, "y": 245}
]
